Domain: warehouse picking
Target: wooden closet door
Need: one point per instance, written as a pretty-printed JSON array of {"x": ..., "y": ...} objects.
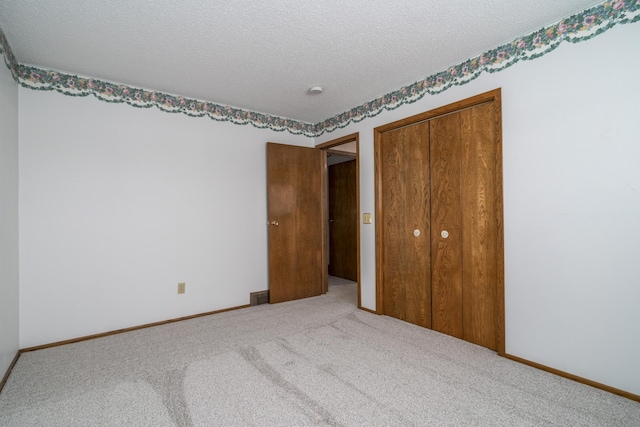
[
  {"x": 405, "y": 224},
  {"x": 455, "y": 198},
  {"x": 465, "y": 209},
  {"x": 481, "y": 195},
  {"x": 446, "y": 223}
]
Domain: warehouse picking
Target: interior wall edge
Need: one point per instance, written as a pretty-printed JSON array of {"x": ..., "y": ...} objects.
[
  {"x": 576, "y": 378},
  {"x": 9, "y": 369},
  {"x": 124, "y": 330}
]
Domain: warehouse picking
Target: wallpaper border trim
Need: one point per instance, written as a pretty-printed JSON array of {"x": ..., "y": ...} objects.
[
  {"x": 73, "y": 85},
  {"x": 7, "y": 53},
  {"x": 576, "y": 28}
]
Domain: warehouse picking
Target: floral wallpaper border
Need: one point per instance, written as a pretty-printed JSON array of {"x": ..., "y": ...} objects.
[
  {"x": 72, "y": 85},
  {"x": 576, "y": 28},
  {"x": 7, "y": 53}
]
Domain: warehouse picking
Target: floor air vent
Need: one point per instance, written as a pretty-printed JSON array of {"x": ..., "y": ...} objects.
[{"x": 257, "y": 298}]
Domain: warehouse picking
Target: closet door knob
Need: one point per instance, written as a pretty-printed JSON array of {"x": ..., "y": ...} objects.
[
  {"x": 416, "y": 232},
  {"x": 444, "y": 234}
]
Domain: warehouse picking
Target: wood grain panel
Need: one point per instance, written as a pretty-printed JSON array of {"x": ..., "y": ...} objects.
[
  {"x": 404, "y": 159},
  {"x": 446, "y": 279},
  {"x": 499, "y": 255},
  {"x": 417, "y": 217},
  {"x": 392, "y": 224},
  {"x": 295, "y": 215},
  {"x": 479, "y": 201},
  {"x": 343, "y": 221}
]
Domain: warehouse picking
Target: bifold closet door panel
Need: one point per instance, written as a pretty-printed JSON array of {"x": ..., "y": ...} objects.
[
  {"x": 393, "y": 206},
  {"x": 480, "y": 224},
  {"x": 406, "y": 258},
  {"x": 446, "y": 217}
]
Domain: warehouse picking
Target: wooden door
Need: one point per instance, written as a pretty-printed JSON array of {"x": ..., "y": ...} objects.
[
  {"x": 481, "y": 195},
  {"x": 295, "y": 218},
  {"x": 343, "y": 221},
  {"x": 465, "y": 209},
  {"x": 446, "y": 216},
  {"x": 404, "y": 223},
  {"x": 465, "y": 259}
]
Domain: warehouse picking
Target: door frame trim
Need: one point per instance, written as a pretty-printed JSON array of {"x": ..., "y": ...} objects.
[
  {"x": 326, "y": 147},
  {"x": 490, "y": 96}
]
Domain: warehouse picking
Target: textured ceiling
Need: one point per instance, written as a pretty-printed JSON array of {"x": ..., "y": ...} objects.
[{"x": 264, "y": 55}]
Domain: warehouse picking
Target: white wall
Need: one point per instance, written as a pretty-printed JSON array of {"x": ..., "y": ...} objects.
[
  {"x": 571, "y": 204},
  {"x": 119, "y": 204},
  {"x": 9, "y": 290}
]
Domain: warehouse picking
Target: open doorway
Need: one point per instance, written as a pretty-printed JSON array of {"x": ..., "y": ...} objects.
[{"x": 342, "y": 207}]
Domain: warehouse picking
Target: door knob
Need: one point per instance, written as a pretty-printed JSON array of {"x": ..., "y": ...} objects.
[
  {"x": 444, "y": 234},
  {"x": 274, "y": 222},
  {"x": 416, "y": 232}
]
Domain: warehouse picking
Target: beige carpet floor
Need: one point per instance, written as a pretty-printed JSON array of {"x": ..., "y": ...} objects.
[{"x": 313, "y": 362}]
